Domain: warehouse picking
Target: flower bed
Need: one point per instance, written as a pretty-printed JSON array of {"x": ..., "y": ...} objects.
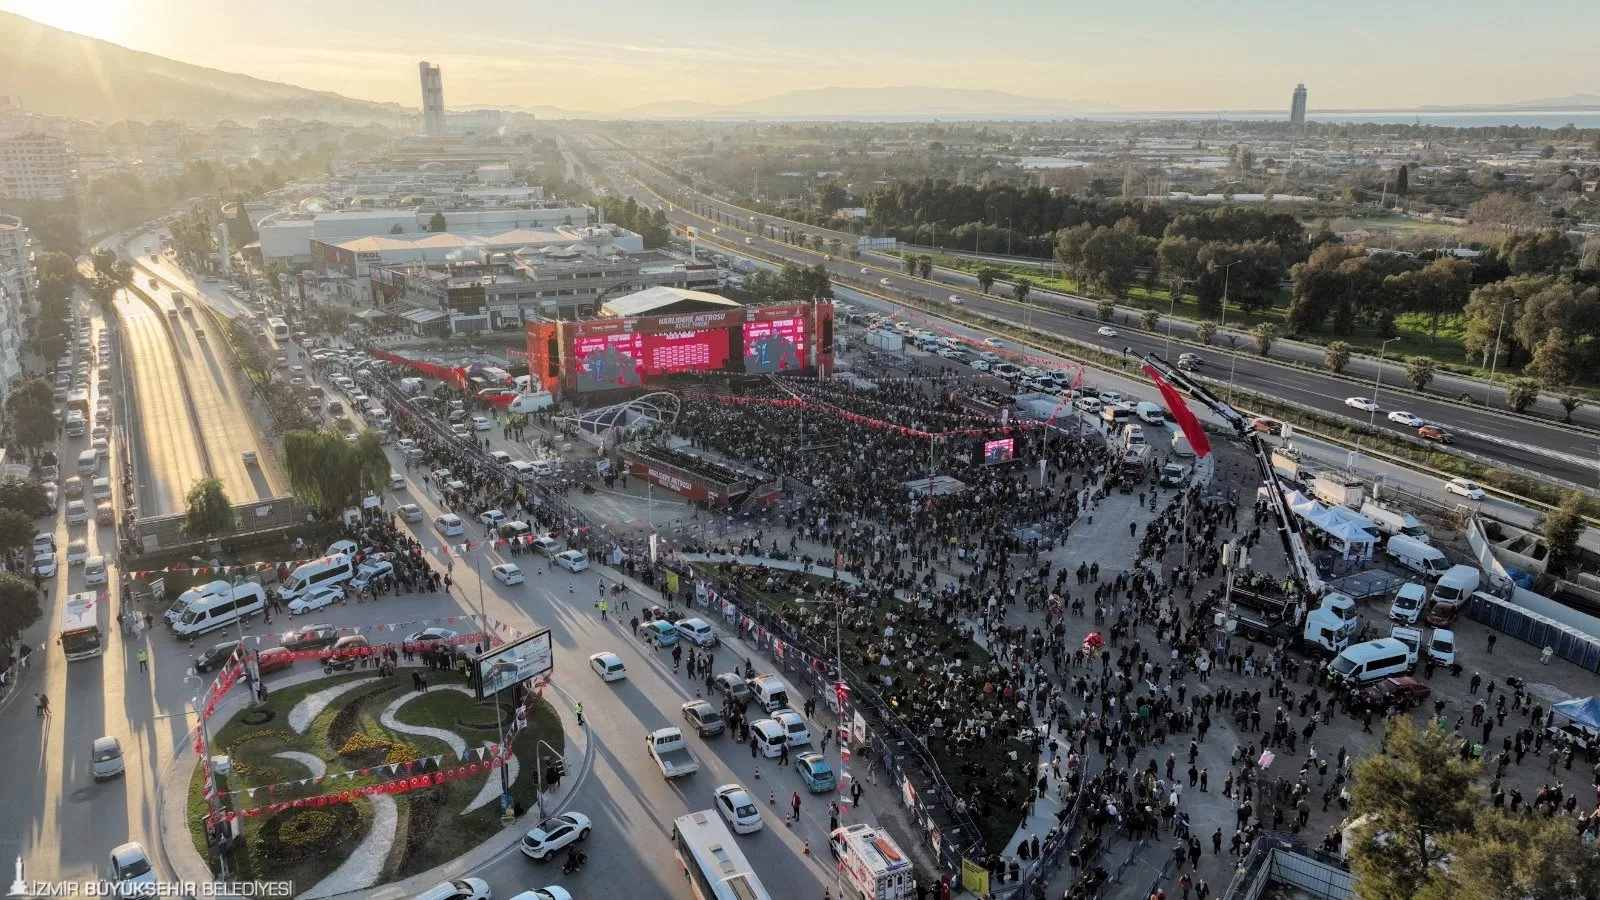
[{"x": 305, "y": 843}]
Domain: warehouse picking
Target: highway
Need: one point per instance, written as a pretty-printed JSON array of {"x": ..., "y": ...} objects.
[
  {"x": 221, "y": 401},
  {"x": 1539, "y": 444},
  {"x": 166, "y": 445}
]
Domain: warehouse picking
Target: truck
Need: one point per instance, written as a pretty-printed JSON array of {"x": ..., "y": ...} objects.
[
  {"x": 1174, "y": 475},
  {"x": 1271, "y": 619},
  {"x": 671, "y": 753},
  {"x": 1392, "y": 521},
  {"x": 1181, "y": 447},
  {"x": 179, "y": 298},
  {"x": 1136, "y": 461},
  {"x": 873, "y": 862},
  {"x": 1286, "y": 464},
  {"x": 1339, "y": 489},
  {"x": 885, "y": 340}
]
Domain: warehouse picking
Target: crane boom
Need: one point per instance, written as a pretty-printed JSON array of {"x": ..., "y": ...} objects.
[{"x": 1290, "y": 533}]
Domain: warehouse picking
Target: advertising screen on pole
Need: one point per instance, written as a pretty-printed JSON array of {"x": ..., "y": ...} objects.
[
  {"x": 778, "y": 345},
  {"x": 513, "y": 663}
]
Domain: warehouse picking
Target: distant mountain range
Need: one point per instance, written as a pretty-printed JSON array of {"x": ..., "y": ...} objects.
[
  {"x": 60, "y": 73},
  {"x": 905, "y": 102},
  {"x": 1571, "y": 101}
]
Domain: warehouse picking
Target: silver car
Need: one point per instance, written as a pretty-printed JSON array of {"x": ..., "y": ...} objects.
[{"x": 106, "y": 758}]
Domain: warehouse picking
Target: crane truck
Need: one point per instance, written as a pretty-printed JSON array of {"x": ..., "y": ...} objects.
[{"x": 1305, "y": 615}]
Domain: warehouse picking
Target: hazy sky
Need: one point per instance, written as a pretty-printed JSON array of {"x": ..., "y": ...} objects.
[{"x": 1135, "y": 54}]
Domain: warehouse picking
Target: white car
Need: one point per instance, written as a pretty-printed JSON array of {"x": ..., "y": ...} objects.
[
  {"x": 493, "y": 518},
  {"x": 956, "y": 299},
  {"x": 440, "y": 476},
  {"x": 1465, "y": 488},
  {"x": 131, "y": 870},
  {"x": 1365, "y": 404},
  {"x": 316, "y": 598},
  {"x": 865, "y": 271},
  {"x": 450, "y": 525},
  {"x": 77, "y": 551},
  {"x": 44, "y": 565},
  {"x": 507, "y": 573},
  {"x": 546, "y": 544},
  {"x": 397, "y": 482},
  {"x": 549, "y": 892},
  {"x": 1409, "y": 420},
  {"x": 410, "y": 512},
  {"x": 884, "y": 282},
  {"x": 370, "y": 572},
  {"x": 430, "y": 634},
  {"x": 479, "y": 423},
  {"x": 608, "y": 666},
  {"x": 555, "y": 833},
  {"x": 981, "y": 365},
  {"x": 501, "y": 457},
  {"x": 794, "y": 726},
  {"x": 459, "y": 889},
  {"x": 734, "y": 804},
  {"x": 345, "y": 547},
  {"x": 572, "y": 560},
  {"x": 1106, "y": 331}
]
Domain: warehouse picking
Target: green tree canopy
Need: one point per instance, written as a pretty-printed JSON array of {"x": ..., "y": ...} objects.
[
  {"x": 19, "y": 609},
  {"x": 436, "y": 222},
  {"x": 1336, "y": 355},
  {"x": 209, "y": 512},
  {"x": 1412, "y": 795},
  {"x": 1420, "y": 371},
  {"x": 987, "y": 277},
  {"x": 17, "y": 529},
  {"x": 331, "y": 473},
  {"x": 1561, "y": 528},
  {"x": 1265, "y": 335},
  {"x": 1508, "y": 857},
  {"x": 25, "y": 496},
  {"x": 32, "y": 410},
  {"x": 1523, "y": 393}
]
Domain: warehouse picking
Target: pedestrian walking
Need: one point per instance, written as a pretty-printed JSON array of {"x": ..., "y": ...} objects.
[{"x": 144, "y": 660}]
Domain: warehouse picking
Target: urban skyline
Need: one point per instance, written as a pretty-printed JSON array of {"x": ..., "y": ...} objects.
[{"x": 705, "y": 52}]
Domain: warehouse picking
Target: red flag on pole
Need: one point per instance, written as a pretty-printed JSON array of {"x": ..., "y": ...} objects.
[{"x": 1181, "y": 413}]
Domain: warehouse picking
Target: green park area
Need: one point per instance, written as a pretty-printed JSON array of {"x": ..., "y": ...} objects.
[{"x": 342, "y": 734}]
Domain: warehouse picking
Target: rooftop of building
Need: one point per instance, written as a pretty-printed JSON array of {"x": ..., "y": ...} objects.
[{"x": 662, "y": 300}]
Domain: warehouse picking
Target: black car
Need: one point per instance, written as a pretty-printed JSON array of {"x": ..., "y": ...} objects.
[
  {"x": 704, "y": 718},
  {"x": 311, "y": 637},
  {"x": 215, "y": 657}
]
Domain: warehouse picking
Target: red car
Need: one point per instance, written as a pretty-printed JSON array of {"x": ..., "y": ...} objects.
[
  {"x": 275, "y": 659},
  {"x": 1404, "y": 692},
  {"x": 1443, "y": 614},
  {"x": 1268, "y": 426},
  {"x": 1434, "y": 433}
]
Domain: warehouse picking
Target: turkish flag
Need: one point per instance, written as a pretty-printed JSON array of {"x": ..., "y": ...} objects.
[{"x": 1181, "y": 414}]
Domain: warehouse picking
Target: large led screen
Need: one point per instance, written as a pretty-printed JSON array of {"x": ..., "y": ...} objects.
[
  {"x": 608, "y": 361},
  {"x": 775, "y": 346},
  {"x": 685, "y": 351},
  {"x": 514, "y": 663}
]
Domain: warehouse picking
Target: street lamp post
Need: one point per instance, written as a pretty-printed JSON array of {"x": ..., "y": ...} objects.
[
  {"x": 1372, "y": 414},
  {"x": 499, "y": 720},
  {"x": 1233, "y": 357},
  {"x": 1496, "y": 360}
]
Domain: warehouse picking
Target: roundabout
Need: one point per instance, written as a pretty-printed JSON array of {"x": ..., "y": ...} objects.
[{"x": 347, "y": 782}]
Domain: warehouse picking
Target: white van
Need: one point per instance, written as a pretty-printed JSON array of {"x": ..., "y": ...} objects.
[
  {"x": 1417, "y": 556},
  {"x": 1456, "y": 585},
  {"x": 190, "y": 597},
  {"x": 1393, "y": 522},
  {"x": 335, "y": 569},
  {"x": 770, "y": 737},
  {"x": 1412, "y": 638},
  {"x": 1442, "y": 646},
  {"x": 770, "y": 691},
  {"x": 1371, "y": 661},
  {"x": 1152, "y": 414},
  {"x": 219, "y": 610},
  {"x": 1408, "y": 602}
]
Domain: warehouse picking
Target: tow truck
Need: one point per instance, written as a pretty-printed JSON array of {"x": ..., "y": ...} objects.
[{"x": 1302, "y": 612}]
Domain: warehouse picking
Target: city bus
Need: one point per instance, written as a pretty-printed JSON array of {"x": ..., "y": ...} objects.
[
  {"x": 278, "y": 328},
  {"x": 82, "y": 632},
  {"x": 711, "y": 860}
]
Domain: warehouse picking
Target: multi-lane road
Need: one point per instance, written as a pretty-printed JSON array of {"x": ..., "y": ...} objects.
[
  {"x": 1538, "y": 443},
  {"x": 62, "y": 824}
]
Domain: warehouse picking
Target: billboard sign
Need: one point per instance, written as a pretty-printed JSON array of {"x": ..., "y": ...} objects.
[
  {"x": 999, "y": 451},
  {"x": 513, "y": 663},
  {"x": 778, "y": 345}
]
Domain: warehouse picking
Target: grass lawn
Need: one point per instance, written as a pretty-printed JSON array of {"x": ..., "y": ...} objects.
[{"x": 307, "y": 844}]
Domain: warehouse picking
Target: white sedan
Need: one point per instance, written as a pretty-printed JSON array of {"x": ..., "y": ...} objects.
[
  {"x": 1465, "y": 488},
  {"x": 572, "y": 560},
  {"x": 956, "y": 299},
  {"x": 734, "y": 804},
  {"x": 316, "y": 598},
  {"x": 555, "y": 833},
  {"x": 1410, "y": 420},
  {"x": 479, "y": 423},
  {"x": 493, "y": 518},
  {"x": 608, "y": 666},
  {"x": 507, "y": 573},
  {"x": 1106, "y": 331},
  {"x": 1365, "y": 404},
  {"x": 44, "y": 565},
  {"x": 459, "y": 889},
  {"x": 130, "y": 868},
  {"x": 77, "y": 551},
  {"x": 450, "y": 525}
]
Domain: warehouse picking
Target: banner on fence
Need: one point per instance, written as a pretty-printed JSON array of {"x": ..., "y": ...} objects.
[{"x": 974, "y": 877}]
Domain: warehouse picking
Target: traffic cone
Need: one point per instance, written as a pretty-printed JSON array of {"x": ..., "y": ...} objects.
[
  {"x": 758, "y": 773},
  {"x": 788, "y": 821},
  {"x": 772, "y": 798},
  {"x": 807, "y": 850}
]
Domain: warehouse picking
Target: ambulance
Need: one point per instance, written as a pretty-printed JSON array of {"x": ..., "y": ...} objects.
[{"x": 872, "y": 862}]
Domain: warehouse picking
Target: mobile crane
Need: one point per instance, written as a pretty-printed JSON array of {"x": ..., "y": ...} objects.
[{"x": 1329, "y": 626}]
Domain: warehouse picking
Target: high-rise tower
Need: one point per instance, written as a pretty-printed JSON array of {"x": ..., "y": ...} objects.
[
  {"x": 432, "y": 99},
  {"x": 1297, "y": 107}
]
